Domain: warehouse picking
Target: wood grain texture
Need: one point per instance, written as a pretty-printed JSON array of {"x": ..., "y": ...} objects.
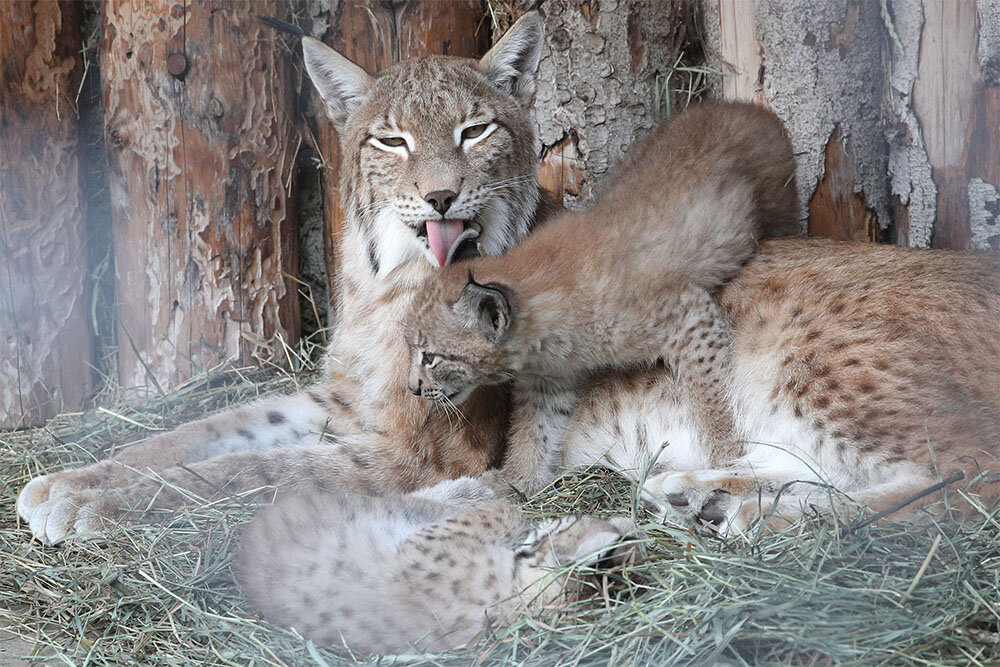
[
  {"x": 959, "y": 116},
  {"x": 836, "y": 210},
  {"x": 45, "y": 335},
  {"x": 201, "y": 147},
  {"x": 375, "y": 34}
]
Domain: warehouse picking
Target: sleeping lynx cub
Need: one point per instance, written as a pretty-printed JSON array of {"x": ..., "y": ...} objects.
[
  {"x": 429, "y": 570},
  {"x": 438, "y": 160}
]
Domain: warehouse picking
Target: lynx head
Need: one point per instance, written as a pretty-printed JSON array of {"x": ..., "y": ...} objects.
[
  {"x": 438, "y": 155},
  {"x": 458, "y": 343}
]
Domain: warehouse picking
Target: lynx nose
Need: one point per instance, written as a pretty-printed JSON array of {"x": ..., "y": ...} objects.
[
  {"x": 415, "y": 388},
  {"x": 440, "y": 199}
]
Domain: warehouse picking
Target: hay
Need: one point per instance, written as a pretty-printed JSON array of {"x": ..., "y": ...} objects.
[{"x": 162, "y": 592}]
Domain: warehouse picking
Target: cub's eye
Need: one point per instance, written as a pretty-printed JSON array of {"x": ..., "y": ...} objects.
[
  {"x": 427, "y": 358},
  {"x": 474, "y": 131},
  {"x": 392, "y": 141}
]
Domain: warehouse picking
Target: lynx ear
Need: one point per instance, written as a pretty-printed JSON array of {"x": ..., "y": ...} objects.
[
  {"x": 512, "y": 62},
  {"x": 486, "y": 308},
  {"x": 342, "y": 84}
]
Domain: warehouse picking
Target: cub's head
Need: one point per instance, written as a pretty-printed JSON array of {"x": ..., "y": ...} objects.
[
  {"x": 438, "y": 156},
  {"x": 458, "y": 337}
]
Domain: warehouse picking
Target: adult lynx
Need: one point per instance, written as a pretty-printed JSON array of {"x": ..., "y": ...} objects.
[{"x": 437, "y": 162}]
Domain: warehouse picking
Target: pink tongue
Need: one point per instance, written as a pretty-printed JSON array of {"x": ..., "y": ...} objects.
[{"x": 441, "y": 235}]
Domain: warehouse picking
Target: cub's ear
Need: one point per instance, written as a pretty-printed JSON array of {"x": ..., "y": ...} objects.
[
  {"x": 486, "y": 308},
  {"x": 512, "y": 62},
  {"x": 341, "y": 84}
]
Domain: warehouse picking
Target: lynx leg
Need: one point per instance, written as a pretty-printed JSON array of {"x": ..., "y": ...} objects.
[
  {"x": 735, "y": 501},
  {"x": 700, "y": 352},
  {"x": 283, "y": 421},
  {"x": 366, "y": 468},
  {"x": 541, "y": 418}
]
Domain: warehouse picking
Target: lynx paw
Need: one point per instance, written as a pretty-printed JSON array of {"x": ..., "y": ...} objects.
[
  {"x": 102, "y": 475},
  {"x": 69, "y": 515},
  {"x": 702, "y": 498}
]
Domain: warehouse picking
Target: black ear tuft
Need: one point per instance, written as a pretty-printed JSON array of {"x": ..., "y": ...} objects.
[
  {"x": 282, "y": 26},
  {"x": 485, "y": 307}
]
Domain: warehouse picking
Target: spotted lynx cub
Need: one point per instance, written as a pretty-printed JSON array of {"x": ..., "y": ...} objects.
[
  {"x": 429, "y": 570},
  {"x": 635, "y": 288},
  {"x": 867, "y": 369},
  {"x": 438, "y": 161}
]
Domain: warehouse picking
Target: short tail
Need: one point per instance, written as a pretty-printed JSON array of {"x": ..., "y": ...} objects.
[{"x": 282, "y": 26}]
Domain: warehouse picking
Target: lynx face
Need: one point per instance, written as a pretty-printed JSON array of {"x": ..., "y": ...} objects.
[
  {"x": 457, "y": 345},
  {"x": 438, "y": 152}
]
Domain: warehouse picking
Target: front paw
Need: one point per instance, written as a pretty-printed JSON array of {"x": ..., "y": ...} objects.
[
  {"x": 101, "y": 475},
  {"x": 703, "y": 499},
  {"x": 83, "y": 514}
]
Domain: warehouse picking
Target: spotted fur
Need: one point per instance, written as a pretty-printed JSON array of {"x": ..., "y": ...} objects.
[{"x": 427, "y": 571}]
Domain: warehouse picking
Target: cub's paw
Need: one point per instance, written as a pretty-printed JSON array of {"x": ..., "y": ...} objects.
[
  {"x": 704, "y": 498},
  {"x": 83, "y": 514}
]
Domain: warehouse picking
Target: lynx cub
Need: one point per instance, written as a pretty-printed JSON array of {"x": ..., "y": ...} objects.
[
  {"x": 427, "y": 571},
  {"x": 866, "y": 370},
  {"x": 679, "y": 217}
]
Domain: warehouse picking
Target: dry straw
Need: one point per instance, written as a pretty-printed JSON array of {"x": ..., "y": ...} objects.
[{"x": 162, "y": 591}]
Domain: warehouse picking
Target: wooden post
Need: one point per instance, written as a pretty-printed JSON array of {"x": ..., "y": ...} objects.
[
  {"x": 820, "y": 67},
  {"x": 604, "y": 80},
  {"x": 201, "y": 145},
  {"x": 45, "y": 334},
  {"x": 375, "y": 34},
  {"x": 945, "y": 152}
]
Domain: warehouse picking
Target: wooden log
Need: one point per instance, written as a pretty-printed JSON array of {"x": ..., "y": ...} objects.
[
  {"x": 605, "y": 78},
  {"x": 45, "y": 334},
  {"x": 820, "y": 67},
  {"x": 201, "y": 145},
  {"x": 945, "y": 158},
  {"x": 376, "y": 34}
]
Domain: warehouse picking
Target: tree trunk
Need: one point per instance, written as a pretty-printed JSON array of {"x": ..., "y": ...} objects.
[
  {"x": 945, "y": 150},
  {"x": 820, "y": 67},
  {"x": 201, "y": 147},
  {"x": 376, "y": 34},
  {"x": 607, "y": 75},
  {"x": 45, "y": 335}
]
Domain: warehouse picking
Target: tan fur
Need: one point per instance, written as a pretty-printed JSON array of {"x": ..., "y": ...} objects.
[
  {"x": 428, "y": 571},
  {"x": 854, "y": 369},
  {"x": 358, "y": 428},
  {"x": 635, "y": 285},
  {"x": 867, "y": 372}
]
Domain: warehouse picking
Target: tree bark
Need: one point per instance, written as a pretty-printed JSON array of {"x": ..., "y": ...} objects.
[
  {"x": 375, "y": 34},
  {"x": 820, "y": 67},
  {"x": 201, "y": 146},
  {"x": 607, "y": 75},
  {"x": 945, "y": 150},
  {"x": 45, "y": 335}
]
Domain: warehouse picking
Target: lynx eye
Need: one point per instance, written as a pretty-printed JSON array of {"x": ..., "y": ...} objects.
[
  {"x": 470, "y": 135},
  {"x": 428, "y": 358},
  {"x": 400, "y": 145},
  {"x": 474, "y": 131}
]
